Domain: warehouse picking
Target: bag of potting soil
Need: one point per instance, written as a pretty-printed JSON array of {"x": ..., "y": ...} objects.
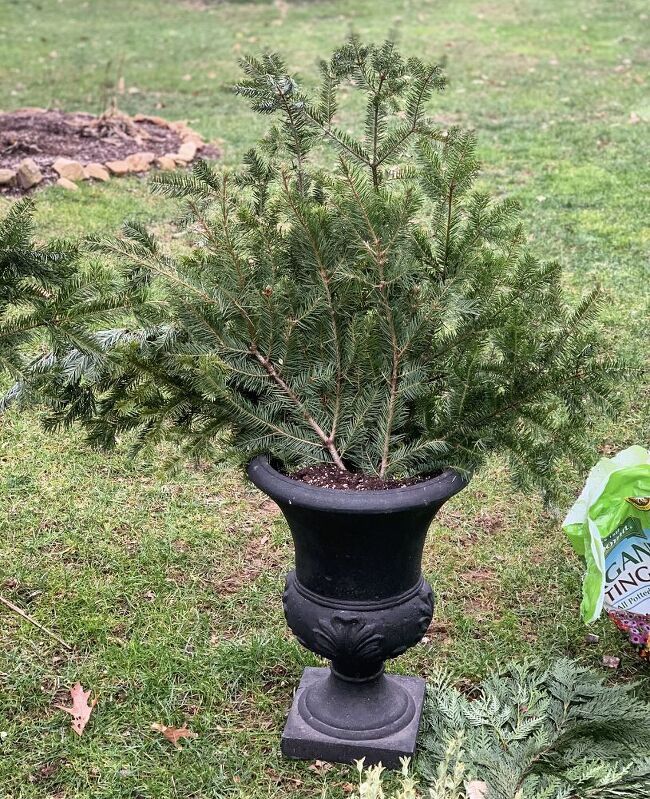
[{"x": 609, "y": 525}]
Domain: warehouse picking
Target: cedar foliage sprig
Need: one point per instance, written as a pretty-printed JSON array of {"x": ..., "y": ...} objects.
[
  {"x": 530, "y": 732},
  {"x": 379, "y": 312}
]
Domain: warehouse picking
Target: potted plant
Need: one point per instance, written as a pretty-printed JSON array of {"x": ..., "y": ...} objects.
[{"x": 362, "y": 327}]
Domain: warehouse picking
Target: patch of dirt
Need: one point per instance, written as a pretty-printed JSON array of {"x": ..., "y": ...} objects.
[
  {"x": 490, "y": 521},
  {"x": 327, "y": 475},
  {"x": 47, "y": 771},
  {"x": 452, "y": 519},
  {"x": 477, "y": 576},
  {"x": 439, "y": 631},
  {"x": 480, "y": 594},
  {"x": 259, "y": 556},
  {"x": 46, "y": 135},
  {"x": 269, "y": 508},
  {"x": 468, "y": 687}
]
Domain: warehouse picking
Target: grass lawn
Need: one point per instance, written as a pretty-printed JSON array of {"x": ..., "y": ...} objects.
[{"x": 169, "y": 587}]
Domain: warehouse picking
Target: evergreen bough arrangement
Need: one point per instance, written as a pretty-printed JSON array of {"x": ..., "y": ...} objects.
[
  {"x": 354, "y": 301},
  {"x": 530, "y": 732}
]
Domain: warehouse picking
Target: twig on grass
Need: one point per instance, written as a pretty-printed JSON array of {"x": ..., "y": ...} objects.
[{"x": 33, "y": 621}]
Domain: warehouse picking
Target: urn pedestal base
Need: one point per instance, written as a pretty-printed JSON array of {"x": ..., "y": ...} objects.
[{"x": 342, "y": 721}]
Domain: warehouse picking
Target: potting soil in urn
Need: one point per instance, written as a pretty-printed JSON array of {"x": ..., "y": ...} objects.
[{"x": 609, "y": 526}]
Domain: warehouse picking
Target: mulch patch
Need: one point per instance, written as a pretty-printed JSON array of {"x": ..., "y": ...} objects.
[
  {"x": 329, "y": 476},
  {"x": 47, "y": 135}
]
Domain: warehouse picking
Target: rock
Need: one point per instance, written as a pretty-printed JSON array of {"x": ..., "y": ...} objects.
[
  {"x": 149, "y": 118},
  {"x": 194, "y": 138},
  {"x": 96, "y": 171},
  {"x": 166, "y": 163},
  {"x": 611, "y": 661},
  {"x": 65, "y": 183},
  {"x": 186, "y": 152},
  {"x": 28, "y": 174},
  {"x": 118, "y": 167},
  {"x": 140, "y": 162},
  {"x": 7, "y": 176},
  {"x": 591, "y": 638},
  {"x": 69, "y": 169},
  {"x": 476, "y": 789}
]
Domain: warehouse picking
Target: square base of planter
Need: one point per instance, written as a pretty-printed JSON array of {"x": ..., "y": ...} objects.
[{"x": 302, "y": 742}]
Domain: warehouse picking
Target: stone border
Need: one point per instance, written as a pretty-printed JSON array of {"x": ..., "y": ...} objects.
[{"x": 71, "y": 172}]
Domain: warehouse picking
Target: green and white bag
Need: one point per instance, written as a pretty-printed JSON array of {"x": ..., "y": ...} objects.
[{"x": 609, "y": 525}]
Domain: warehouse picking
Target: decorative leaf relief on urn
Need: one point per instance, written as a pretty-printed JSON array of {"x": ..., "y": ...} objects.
[{"x": 344, "y": 635}]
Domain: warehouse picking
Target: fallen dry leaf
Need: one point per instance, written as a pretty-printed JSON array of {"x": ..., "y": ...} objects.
[
  {"x": 80, "y": 710},
  {"x": 320, "y": 766},
  {"x": 46, "y": 771},
  {"x": 173, "y": 734}
]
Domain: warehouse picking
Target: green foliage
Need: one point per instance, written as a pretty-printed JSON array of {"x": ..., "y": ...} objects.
[
  {"x": 371, "y": 783},
  {"x": 449, "y": 782},
  {"x": 379, "y": 312},
  {"x": 535, "y": 733},
  {"x": 33, "y": 281}
]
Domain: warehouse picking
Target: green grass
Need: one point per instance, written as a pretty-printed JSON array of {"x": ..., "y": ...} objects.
[{"x": 169, "y": 587}]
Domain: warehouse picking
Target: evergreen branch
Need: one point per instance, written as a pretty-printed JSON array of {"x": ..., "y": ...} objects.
[
  {"x": 379, "y": 258},
  {"x": 322, "y": 435},
  {"x": 337, "y": 136},
  {"x": 433, "y": 72},
  {"x": 325, "y": 280}
]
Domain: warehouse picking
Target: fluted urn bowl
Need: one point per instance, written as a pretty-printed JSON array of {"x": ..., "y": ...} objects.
[{"x": 358, "y": 598}]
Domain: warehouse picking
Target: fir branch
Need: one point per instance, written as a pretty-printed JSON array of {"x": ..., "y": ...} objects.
[
  {"x": 381, "y": 315},
  {"x": 276, "y": 377}
]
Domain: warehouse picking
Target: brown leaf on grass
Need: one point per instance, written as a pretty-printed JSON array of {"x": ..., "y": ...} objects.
[
  {"x": 174, "y": 734},
  {"x": 437, "y": 628},
  {"x": 320, "y": 766},
  {"x": 80, "y": 710},
  {"x": 46, "y": 771}
]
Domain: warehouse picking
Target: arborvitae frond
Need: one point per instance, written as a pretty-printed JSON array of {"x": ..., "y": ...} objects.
[
  {"x": 377, "y": 312},
  {"x": 531, "y": 732}
]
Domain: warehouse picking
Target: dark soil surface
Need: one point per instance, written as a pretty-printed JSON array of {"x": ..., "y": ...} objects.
[
  {"x": 45, "y": 136},
  {"x": 327, "y": 475}
]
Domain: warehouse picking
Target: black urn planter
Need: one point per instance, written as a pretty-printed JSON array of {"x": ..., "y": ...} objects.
[{"x": 357, "y": 597}]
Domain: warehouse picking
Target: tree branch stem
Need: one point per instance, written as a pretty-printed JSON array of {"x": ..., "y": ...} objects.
[
  {"x": 277, "y": 378},
  {"x": 33, "y": 621}
]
